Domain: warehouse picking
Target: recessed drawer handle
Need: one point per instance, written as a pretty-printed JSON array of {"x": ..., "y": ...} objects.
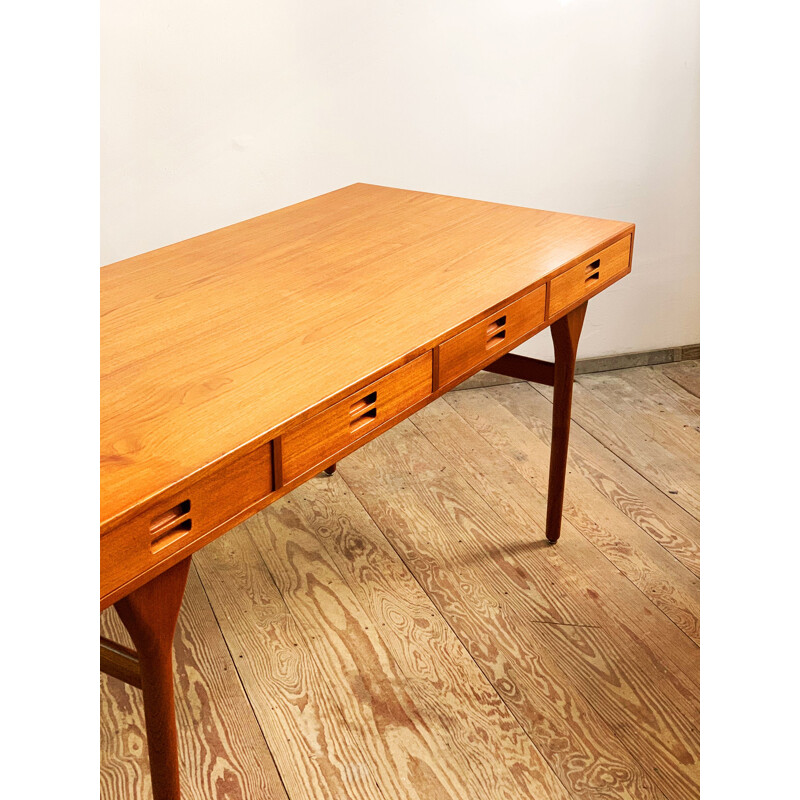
[
  {"x": 496, "y": 331},
  {"x": 363, "y": 412},
  {"x": 169, "y": 526},
  {"x": 593, "y": 271},
  {"x": 365, "y": 419},
  {"x": 363, "y": 404}
]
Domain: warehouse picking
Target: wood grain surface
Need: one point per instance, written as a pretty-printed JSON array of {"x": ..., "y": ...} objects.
[
  {"x": 584, "y": 279},
  {"x": 401, "y": 630},
  {"x": 648, "y": 407},
  {"x": 503, "y": 579},
  {"x": 322, "y": 437},
  {"x": 223, "y": 755},
  {"x": 685, "y": 373},
  {"x": 425, "y": 648},
  {"x": 676, "y": 477},
  {"x": 236, "y": 332},
  {"x": 460, "y": 353},
  {"x": 617, "y": 534}
]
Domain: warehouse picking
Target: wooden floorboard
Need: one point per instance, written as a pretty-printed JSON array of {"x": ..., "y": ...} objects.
[
  {"x": 402, "y": 630},
  {"x": 318, "y": 751},
  {"x": 427, "y": 651},
  {"x": 223, "y": 753},
  {"x": 685, "y": 373},
  {"x": 446, "y": 535},
  {"x": 604, "y": 499},
  {"x": 387, "y": 700},
  {"x": 445, "y": 527},
  {"x": 646, "y": 405},
  {"x": 675, "y": 529},
  {"x": 677, "y": 477}
]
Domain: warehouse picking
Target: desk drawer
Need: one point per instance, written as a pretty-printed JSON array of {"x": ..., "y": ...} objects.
[
  {"x": 464, "y": 352},
  {"x": 588, "y": 277},
  {"x": 316, "y": 442},
  {"x": 167, "y": 526}
]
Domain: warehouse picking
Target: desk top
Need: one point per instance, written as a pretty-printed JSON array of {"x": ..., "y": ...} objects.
[{"x": 212, "y": 342}]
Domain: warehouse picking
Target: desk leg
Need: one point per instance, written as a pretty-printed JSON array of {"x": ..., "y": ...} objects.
[
  {"x": 565, "y": 332},
  {"x": 150, "y": 614}
]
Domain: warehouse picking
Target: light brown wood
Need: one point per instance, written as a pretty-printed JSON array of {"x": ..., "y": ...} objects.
[
  {"x": 649, "y": 409},
  {"x": 484, "y": 378},
  {"x": 315, "y": 443},
  {"x": 495, "y": 334},
  {"x": 237, "y": 364},
  {"x": 405, "y": 726},
  {"x": 427, "y": 651},
  {"x": 444, "y": 527},
  {"x": 678, "y": 398},
  {"x": 597, "y": 506},
  {"x": 240, "y": 332},
  {"x": 444, "y": 534},
  {"x": 133, "y": 550},
  {"x": 583, "y": 658},
  {"x": 594, "y": 466},
  {"x": 677, "y": 478},
  {"x": 589, "y": 277},
  {"x": 686, "y": 374},
  {"x": 222, "y": 752},
  {"x": 316, "y": 751}
]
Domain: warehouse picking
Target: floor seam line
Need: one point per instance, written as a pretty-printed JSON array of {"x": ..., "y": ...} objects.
[
  {"x": 589, "y": 541},
  {"x": 463, "y": 645},
  {"x": 241, "y": 682}
]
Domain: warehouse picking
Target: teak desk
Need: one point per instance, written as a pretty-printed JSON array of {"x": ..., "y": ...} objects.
[{"x": 240, "y": 363}]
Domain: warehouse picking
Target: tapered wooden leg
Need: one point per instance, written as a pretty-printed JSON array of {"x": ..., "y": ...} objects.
[
  {"x": 331, "y": 469},
  {"x": 150, "y": 614},
  {"x": 566, "y": 332}
]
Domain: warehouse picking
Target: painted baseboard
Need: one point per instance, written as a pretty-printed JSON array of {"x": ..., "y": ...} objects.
[{"x": 667, "y": 355}]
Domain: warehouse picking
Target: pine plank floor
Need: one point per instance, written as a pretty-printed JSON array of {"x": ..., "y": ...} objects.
[{"x": 401, "y": 630}]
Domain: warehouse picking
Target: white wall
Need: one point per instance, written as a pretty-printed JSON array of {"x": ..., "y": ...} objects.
[{"x": 213, "y": 112}]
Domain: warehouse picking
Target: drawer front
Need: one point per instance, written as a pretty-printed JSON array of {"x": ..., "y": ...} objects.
[
  {"x": 588, "y": 277},
  {"x": 141, "y": 543},
  {"x": 316, "y": 442},
  {"x": 464, "y": 352}
]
